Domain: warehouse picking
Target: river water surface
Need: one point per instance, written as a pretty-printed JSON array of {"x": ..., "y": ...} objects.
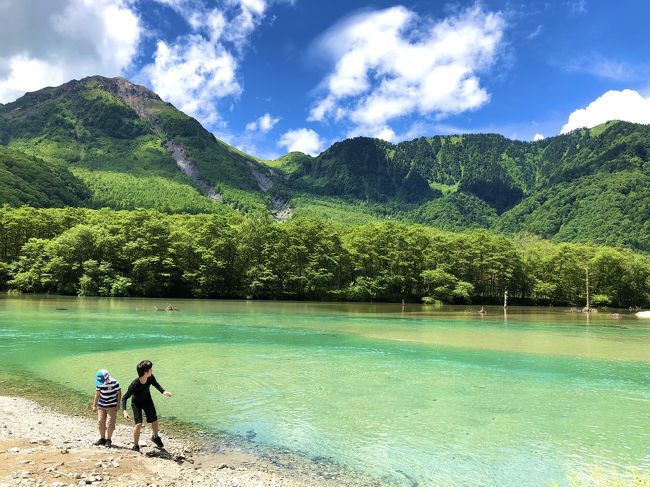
[{"x": 406, "y": 394}]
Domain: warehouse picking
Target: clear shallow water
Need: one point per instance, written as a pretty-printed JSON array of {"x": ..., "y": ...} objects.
[{"x": 441, "y": 397}]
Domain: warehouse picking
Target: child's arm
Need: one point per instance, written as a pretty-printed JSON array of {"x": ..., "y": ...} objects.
[
  {"x": 128, "y": 394},
  {"x": 154, "y": 383},
  {"x": 119, "y": 399},
  {"x": 95, "y": 399}
]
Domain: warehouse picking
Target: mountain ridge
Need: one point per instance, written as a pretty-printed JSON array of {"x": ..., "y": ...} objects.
[{"x": 571, "y": 187}]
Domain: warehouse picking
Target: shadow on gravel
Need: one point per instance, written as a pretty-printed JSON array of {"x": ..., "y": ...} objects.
[{"x": 165, "y": 455}]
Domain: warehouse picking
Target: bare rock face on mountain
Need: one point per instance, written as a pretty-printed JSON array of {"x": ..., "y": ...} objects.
[
  {"x": 133, "y": 95},
  {"x": 190, "y": 169}
]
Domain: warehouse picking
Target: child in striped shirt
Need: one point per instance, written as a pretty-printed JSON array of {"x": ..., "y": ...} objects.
[{"x": 106, "y": 402}]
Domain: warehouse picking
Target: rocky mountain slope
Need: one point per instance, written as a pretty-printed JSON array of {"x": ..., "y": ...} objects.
[{"x": 104, "y": 128}]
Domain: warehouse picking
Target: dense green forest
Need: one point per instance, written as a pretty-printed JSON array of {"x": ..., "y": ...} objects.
[
  {"x": 148, "y": 253},
  {"x": 29, "y": 180}
]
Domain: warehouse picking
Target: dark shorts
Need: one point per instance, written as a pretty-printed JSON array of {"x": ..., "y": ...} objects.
[{"x": 149, "y": 411}]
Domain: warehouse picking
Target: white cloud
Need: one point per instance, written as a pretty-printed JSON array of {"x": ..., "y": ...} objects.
[
  {"x": 302, "y": 140},
  {"x": 391, "y": 63},
  {"x": 263, "y": 124},
  {"x": 538, "y": 137},
  {"x": 193, "y": 74},
  {"x": 602, "y": 67},
  {"x": 578, "y": 6},
  {"x": 241, "y": 18},
  {"x": 627, "y": 105},
  {"x": 535, "y": 33},
  {"x": 383, "y": 132},
  {"x": 48, "y": 42},
  {"x": 196, "y": 71}
]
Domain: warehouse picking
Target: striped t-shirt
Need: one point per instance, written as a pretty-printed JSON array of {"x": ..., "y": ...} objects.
[{"x": 108, "y": 393}]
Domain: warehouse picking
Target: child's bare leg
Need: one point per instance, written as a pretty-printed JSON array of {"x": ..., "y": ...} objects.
[
  {"x": 136, "y": 433},
  {"x": 154, "y": 428}
]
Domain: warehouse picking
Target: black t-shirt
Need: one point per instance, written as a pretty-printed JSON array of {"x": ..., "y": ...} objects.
[{"x": 140, "y": 391}]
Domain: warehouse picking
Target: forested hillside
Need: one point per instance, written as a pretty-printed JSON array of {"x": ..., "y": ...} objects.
[
  {"x": 588, "y": 186},
  {"x": 27, "y": 180},
  {"x": 109, "y": 143},
  {"x": 361, "y": 168}
]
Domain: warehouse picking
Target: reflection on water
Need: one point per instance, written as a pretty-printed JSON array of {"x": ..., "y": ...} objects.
[{"x": 438, "y": 396}]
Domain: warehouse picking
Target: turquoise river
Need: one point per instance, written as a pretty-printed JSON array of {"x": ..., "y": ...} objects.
[{"x": 407, "y": 394}]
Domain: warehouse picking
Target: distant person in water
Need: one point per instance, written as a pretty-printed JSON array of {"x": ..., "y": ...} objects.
[
  {"x": 106, "y": 403},
  {"x": 142, "y": 401},
  {"x": 482, "y": 311}
]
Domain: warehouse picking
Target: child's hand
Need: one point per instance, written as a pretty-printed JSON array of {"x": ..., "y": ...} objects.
[
  {"x": 167, "y": 393},
  {"x": 94, "y": 408},
  {"x": 126, "y": 415}
]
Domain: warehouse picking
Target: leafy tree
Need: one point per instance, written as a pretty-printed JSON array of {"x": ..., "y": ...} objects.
[{"x": 445, "y": 287}]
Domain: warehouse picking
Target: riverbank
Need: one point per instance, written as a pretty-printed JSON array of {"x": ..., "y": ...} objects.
[{"x": 40, "y": 446}]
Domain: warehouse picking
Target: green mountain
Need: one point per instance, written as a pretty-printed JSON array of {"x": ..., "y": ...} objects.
[
  {"x": 131, "y": 148},
  {"x": 102, "y": 142},
  {"x": 588, "y": 185}
]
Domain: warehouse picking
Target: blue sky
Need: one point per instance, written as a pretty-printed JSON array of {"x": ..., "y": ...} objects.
[{"x": 269, "y": 76}]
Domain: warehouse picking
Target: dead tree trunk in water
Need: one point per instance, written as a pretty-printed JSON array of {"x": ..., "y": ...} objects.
[{"x": 587, "y": 308}]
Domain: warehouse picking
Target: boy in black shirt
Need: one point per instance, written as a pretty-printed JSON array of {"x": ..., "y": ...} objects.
[{"x": 142, "y": 401}]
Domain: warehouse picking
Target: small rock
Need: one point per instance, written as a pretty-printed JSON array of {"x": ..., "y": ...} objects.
[
  {"x": 222, "y": 466},
  {"x": 40, "y": 441},
  {"x": 13, "y": 450}
]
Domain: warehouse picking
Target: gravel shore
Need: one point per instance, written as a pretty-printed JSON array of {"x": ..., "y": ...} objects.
[{"x": 41, "y": 447}]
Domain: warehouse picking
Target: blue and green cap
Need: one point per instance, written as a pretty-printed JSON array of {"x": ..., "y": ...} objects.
[{"x": 101, "y": 376}]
